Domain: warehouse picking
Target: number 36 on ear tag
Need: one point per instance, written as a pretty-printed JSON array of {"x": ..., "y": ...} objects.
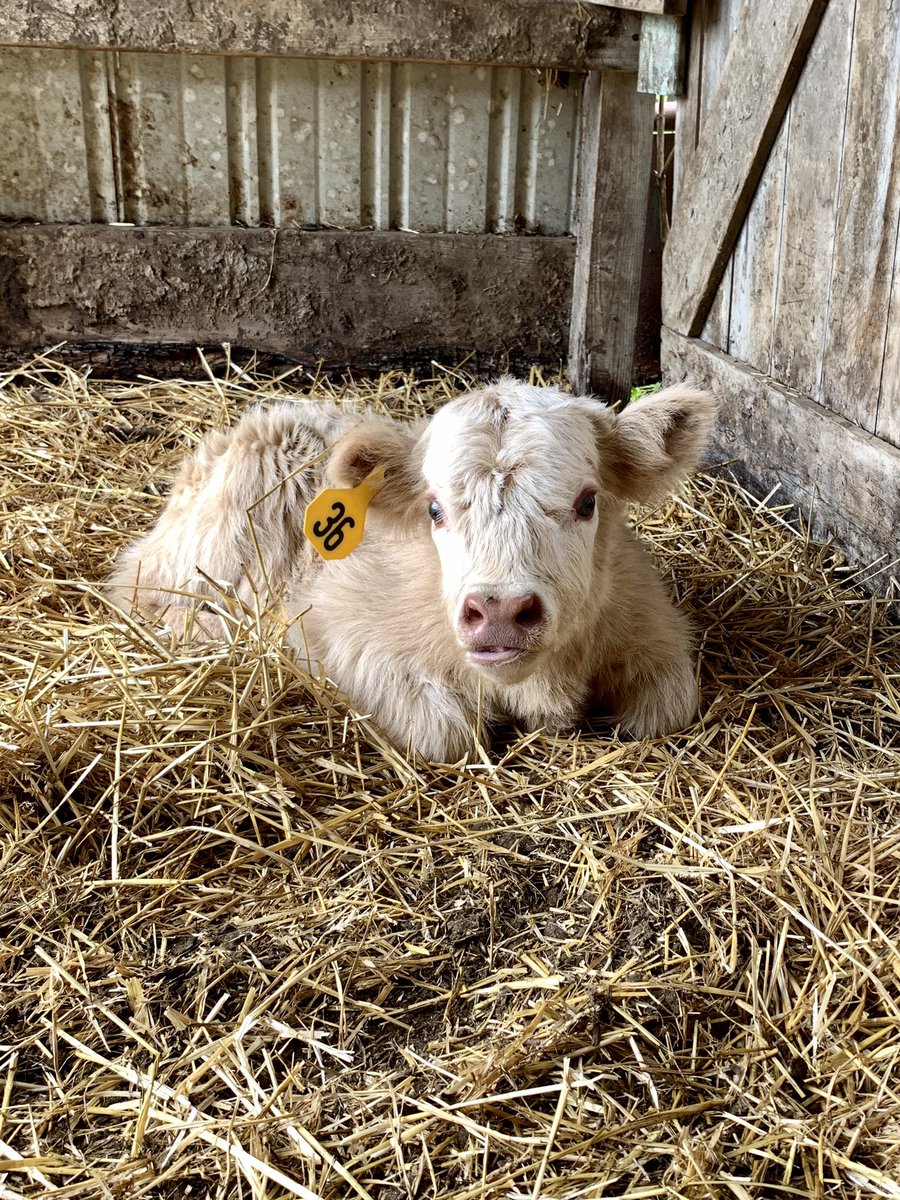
[{"x": 335, "y": 519}]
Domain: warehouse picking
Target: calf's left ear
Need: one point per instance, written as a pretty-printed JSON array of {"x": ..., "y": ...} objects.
[
  {"x": 378, "y": 441},
  {"x": 653, "y": 443}
]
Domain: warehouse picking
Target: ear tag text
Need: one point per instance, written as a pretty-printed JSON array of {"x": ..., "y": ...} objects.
[{"x": 336, "y": 519}]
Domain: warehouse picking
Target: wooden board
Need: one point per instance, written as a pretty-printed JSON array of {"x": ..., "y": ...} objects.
[
  {"x": 662, "y": 56},
  {"x": 719, "y": 21},
  {"x": 662, "y": 7},
  {"x": 810, "y": 195},
  {"x": 763, "y": 64},
  {"x": 754, "y": 265},
  {"x": 539, "y": 33},
  {"x": 616, "y": 147},
  {"x": 688, "y": 108},
  {"x": 362, "y": 299},
  {"x": 867, "y": 218},
  {"x": 842, "y": 478},
  {"x": 887, "y": 417}
]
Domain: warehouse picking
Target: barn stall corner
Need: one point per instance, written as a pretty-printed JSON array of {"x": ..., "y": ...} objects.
[{"x": 250, "y": 947}]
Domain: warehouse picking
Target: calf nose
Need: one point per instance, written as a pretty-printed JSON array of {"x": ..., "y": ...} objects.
[{"x": 478, "y": 611}]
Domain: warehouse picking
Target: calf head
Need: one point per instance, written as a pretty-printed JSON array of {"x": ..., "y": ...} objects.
[{"x": 523, "y": 488}]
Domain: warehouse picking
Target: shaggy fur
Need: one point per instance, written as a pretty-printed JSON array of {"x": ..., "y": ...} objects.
[{"x": 504, "y": 470}]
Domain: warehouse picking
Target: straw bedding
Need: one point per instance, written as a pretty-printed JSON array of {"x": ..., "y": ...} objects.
[{"x": 251, "y": 949}]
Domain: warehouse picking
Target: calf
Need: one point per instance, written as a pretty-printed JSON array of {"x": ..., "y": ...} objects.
[{"x": 497, "y": 574}]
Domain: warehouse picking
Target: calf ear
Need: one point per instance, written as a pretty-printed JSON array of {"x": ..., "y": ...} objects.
[
  {"x": 655, "y": 442},
  {"x": 379, "y": 441}
]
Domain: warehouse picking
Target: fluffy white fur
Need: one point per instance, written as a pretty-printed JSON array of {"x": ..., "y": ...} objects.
[{"x": 506, "y": 465}]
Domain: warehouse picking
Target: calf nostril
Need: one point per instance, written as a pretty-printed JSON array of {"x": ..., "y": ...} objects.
[
  {"x": 531, "y": 613},
  {"x": 473, "y": 612}
]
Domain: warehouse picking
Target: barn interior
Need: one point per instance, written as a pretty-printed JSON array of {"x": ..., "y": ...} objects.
[{"x": 250, "y": 946}]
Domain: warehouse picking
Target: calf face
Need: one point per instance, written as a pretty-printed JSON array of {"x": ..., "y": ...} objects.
[{"x": 523, "y": 489}]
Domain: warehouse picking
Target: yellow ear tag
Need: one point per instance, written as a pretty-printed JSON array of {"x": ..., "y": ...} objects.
[{"x": 336, "y": 519}]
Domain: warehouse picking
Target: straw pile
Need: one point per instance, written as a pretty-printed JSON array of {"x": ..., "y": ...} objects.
[{"x": 249, "y": 949}]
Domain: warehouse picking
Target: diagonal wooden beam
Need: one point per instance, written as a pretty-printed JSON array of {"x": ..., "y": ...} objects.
[{"x": 765, "y": 60}]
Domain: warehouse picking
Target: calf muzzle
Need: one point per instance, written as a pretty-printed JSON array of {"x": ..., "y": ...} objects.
[{"x": 495, "y": 629}]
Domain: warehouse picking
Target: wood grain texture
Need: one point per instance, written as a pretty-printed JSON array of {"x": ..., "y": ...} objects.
[
  {"x": 616, "y": 148},
  {"x": 842, "y": 478},
  {"x": 765, "y": 59},
  {"x": 662, "y": 7},
  {"x": 361, "y": 299},
  {"x": 887, "y": 418},
  {"x": 810, "y": 194},
  {"x": 754, "y": 265},
  {"x": 867, "y": 220},
  {"x": 539, "y": 33},
  {"x": 688, "y": 109},
  {"x": 662, "y": 56},
  {"x": 719, "y": 21}
]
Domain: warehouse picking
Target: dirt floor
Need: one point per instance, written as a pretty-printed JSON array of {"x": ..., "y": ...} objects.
[{"x": 250, "y": 949}]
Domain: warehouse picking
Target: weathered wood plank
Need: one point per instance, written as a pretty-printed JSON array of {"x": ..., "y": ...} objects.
[
  {"x": 688, "y": 109},
  {"x": 711, "y": 26},
  {"x": 765, "y": 59},
  {"x": 616, "y": 148},
  {"x": 867, "y": 219},
  {"x": 720, "y": 20},
  {"x": 348, "y": 298},
  {"x": 662, "y": 7},
  {"x": 887, "y": 419},
  {"x": 539, "y": 33},
  {"x": 754, "y": 265},
  {"x": 842, "y": 478},
  {"x": 662, "y": 56},
  {"x": 810, "y": 195}
]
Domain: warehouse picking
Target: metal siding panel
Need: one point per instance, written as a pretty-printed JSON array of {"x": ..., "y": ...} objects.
[
  {"x": 98, "y": 135},
  {"x": 500, "y": 215},
  {"x": 401, "y": 132},
  {"x": 339, "y": 160},
  {"x": 205, "y": 140},
  {"x": 468, "y": 139},
  {"x": 243, "y": 151},
  {"x": 375, "y": 146},
  {"x": 293, "y": 121},
  {"x": 147, "y": 91},
  {"x": 424, "y": 146},
  {"x": 268, "y": 170},
  {"x": 546, "y": 152},
  {"x": 173, "y": 134},
  {"x": 43, "y": 162}
]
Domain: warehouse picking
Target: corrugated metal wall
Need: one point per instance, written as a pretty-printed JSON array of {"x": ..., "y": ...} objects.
[{"x": 207, "y": 140}]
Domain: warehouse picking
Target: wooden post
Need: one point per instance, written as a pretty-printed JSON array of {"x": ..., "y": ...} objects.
[
  {"x": 661, "y": 57},
  {"x": 614, "y": 165}
]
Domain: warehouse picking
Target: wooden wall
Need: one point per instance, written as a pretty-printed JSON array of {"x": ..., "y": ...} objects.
[{"x": 809, "y": 298}]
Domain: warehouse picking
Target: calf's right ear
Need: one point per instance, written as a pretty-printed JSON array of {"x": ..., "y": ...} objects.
[{"x": 379, "y": 441}]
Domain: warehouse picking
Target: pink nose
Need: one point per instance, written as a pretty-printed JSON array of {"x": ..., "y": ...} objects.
[{"x": 485, "y": 612}]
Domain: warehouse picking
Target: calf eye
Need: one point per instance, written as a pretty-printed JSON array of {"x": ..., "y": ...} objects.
[
  {"x": 436, "y": 513},
  {"x": 584, "y": 506}
]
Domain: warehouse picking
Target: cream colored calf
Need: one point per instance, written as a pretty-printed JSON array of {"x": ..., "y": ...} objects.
[{"x": 497, "y": 569}]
